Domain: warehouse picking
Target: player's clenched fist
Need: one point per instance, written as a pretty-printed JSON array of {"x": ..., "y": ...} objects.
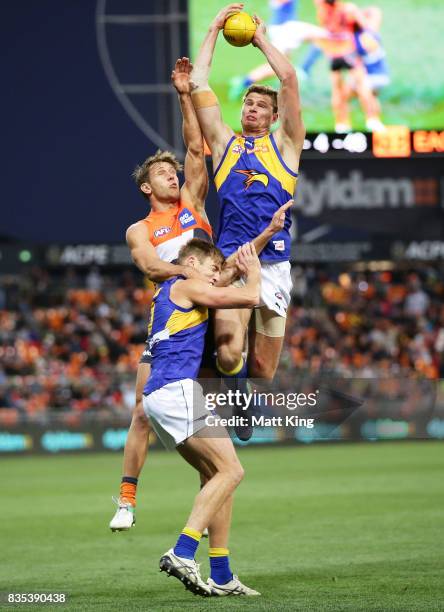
[{"x": 259, "y": 35}]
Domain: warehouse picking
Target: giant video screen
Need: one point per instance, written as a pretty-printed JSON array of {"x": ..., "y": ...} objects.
[{"x": 399, "y": 48}]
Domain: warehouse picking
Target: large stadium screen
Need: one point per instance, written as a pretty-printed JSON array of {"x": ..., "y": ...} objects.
[{"x": 401, "y": 51}]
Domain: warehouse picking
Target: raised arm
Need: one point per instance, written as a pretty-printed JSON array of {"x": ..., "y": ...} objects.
[
  {"x": 276, "y": 225},
  {"x": 356, "y": 14},
  {"x": 215, "y": 132},
  {"x": 145, "y": 257},
  {"x": 230, "y": 271},
  {"x": 291, "y": 132},
  {"x": 195, "y": 188}
]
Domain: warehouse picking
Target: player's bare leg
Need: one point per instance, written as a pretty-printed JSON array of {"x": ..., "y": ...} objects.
[
  {"x": 339, "y": 103},
  {"x": 266, "y": 338},
  {"x": 264, "y": 71},
  {"x": 136, "y": 445},
  {"x": 219, "y": 528},
  {"x": 302, "y": 32},
  {"x": 221, "y": 581},
  {"x": 134, "y": 457},
  {"x": 227, "y": 473},
  {"x": 377, "y": 104},
  {"x": 230, "y": 328},
  {"x": 239, "y": 84},
  {"x": 230, "y": 331},
  {"x": 263, "y": 355},
  {"x": 216, "y": 460},
  {"x": 369, "y": 103},
  {"x": 350, "y": 92}
]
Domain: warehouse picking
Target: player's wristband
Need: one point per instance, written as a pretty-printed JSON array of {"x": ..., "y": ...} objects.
[{"x": 204, "y": 99}]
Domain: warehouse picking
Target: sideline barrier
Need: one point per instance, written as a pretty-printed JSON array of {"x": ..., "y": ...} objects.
[{"x": 343, "y": 410}]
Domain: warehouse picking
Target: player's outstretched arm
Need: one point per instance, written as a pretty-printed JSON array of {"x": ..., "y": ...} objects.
[
  {"x": 290, "y": 135},
  {"x": 276, "y": 225},
  {"x": 355, "y": 14},
  {"x": 145, "y": 257},
  {"x": 230, "y": 271},
  {"x": 195, "y": 188},
  {"x": 215, "y": 132}
]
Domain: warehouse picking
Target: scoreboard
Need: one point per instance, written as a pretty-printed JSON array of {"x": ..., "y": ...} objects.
[{"x": 395, "y": 141}]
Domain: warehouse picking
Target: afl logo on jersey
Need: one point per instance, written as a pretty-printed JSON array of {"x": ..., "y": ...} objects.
[
  {"x": 161, "y": 231},
  {"x": 186, "y": 218},
  {"x": 238, "y": 149}
]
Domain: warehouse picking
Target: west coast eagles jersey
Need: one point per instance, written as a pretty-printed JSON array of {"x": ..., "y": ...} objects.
[
  {"x": 252, "y": 182},
  {"x": 176, "y": 339},
  {"x": 171, "y": 229}
]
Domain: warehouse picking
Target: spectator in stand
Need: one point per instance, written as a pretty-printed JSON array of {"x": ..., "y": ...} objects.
[
  {"x": 70, "y": 345},
  {"x": 417, "y": 300}
]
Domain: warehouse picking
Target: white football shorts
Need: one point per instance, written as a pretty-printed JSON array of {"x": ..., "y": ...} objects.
[
  {"x": 291, "y": 34},
  {"x": 177, "y": 411},
  {"x": 275, "y": 287}
]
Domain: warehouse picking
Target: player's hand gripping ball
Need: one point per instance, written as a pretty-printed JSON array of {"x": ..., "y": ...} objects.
[{"x": 239, "y": 29}]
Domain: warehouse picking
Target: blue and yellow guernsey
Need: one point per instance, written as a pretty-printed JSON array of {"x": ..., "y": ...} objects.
[
  {"x": 176, "y": 339},
  {"x": 283, "y": 11},
  {"x": 252, "y": 182}
]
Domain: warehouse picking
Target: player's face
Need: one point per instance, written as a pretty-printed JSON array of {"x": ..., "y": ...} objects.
[
  {"x": 257, "y": 113},
  {"x": 210, "y": 269},
  {"x": 164, "y": 182}
]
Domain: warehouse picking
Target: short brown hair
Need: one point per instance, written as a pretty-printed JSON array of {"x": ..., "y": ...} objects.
[
  {"x": 141, "y": 173},
  {"x": 265, "y": 90},
  {"x": 201, "y": 249}
]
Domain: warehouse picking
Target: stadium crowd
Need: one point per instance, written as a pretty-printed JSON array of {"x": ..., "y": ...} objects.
[
  {"x": 368, "y": 324},
  {"x": 70, "y": 341}
]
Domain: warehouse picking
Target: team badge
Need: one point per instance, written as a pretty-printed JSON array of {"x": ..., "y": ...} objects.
[
  {"x": 252, "y": 176},
  {"x": 238, "y": 149},
  {"x": 279, "y": 245}
]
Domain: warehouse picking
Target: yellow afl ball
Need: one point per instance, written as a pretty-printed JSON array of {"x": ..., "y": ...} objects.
[{"x": 239, "y": 29}]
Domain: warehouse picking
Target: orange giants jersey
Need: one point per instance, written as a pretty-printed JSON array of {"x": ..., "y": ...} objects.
[
  {"x": 170, "y": 229},
  {"x": 339, "y": 22}
]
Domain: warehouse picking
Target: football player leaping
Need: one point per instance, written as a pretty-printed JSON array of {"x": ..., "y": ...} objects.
[{"x": 255, "y": 174}]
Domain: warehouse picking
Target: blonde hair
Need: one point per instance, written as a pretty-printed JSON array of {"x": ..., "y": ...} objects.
[
  {"x": 141, "y": 173},
  {"x": 264, "y": 90},
  {"x": 201, "y": 249}
]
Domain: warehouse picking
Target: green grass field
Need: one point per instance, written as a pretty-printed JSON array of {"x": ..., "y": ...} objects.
[
  {"x": 412, "y": 36},
  {"x": 344, "y": 527}
]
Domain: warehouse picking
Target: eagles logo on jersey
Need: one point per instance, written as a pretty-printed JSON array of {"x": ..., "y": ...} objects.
[{"x": 253, "y": 175}]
